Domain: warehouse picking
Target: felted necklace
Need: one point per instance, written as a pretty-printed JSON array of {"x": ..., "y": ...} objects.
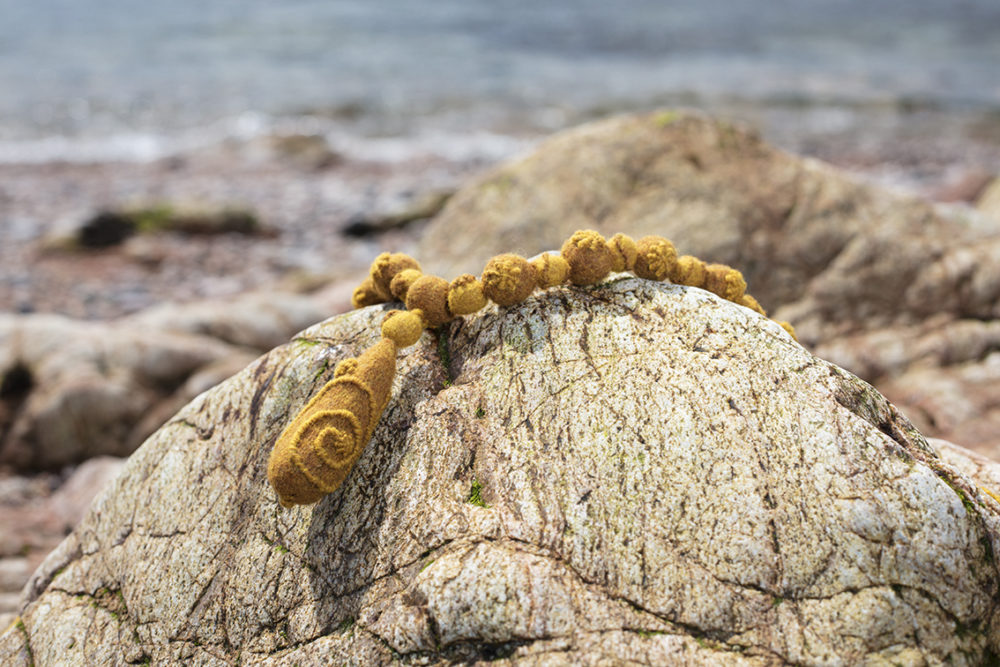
[{"x": 317, "y": 449}]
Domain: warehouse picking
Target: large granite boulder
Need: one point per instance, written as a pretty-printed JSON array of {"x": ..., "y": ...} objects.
[
  {"x": 834, "y": 256},
  {"x": 632, "y": 472}
]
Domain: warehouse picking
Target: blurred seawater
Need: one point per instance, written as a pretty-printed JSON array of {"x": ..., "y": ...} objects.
[{"x": 98, "y": 79}]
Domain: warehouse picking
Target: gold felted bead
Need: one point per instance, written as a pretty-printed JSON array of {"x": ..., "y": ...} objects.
[
  {"x": 404, "y": 327},
  {"x": 318, "y": 448},
  {"x": 623, "y": 252},
  {"x": 401, "y": 282},
  {"x": 386, "y": 266},
  {"x": 465, "y": 295},
  {"x": 752, "y": 304},
  {"x": 550, "y": 270},
  {"x": 589, "y": 257},
  {"x": 726, "y": 282},
  {"x": 790, "y": 329},
  {"x": 345, "y": 367},
  {"x": 430, "y": 294},
  {"x": 508, "y": 279},
  {"x": 365, "y": 294},
  {"x": 656, "y": 258},
  {"x": 690, "y": 271}
]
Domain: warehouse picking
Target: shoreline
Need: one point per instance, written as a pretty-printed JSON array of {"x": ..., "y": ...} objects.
[{"x": 307, "y": 189}]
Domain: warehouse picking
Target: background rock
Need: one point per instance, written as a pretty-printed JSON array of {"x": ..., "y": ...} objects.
[
  {"x": 989, "y": 200},
  {"x": 631, "y": 472},
  {"x": 848, "y": 264},
  {"x": 420, "y": 206},
  {"x": 258, "y": 320},
  {"x": 72, "y": 499},
  {"x": 717, "y": 190},
  {"x": 73, "y": 389},
  {"x": 34, "y": 520},
  {"x": 984, "y": 471},
  {"x": 108, "y": 228},
  {"x": 87, "y": 385},
  {"x": 310, "y": 152}
]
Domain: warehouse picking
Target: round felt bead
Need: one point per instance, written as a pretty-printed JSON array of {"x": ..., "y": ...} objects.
[
  {"x": 508, "y": 279},
  {"x": 404, "y": 327},
  {"x": 655, "y": 259},
  {"x": 465, "y": 295},
  {"x": 589, "y": 257},
  {"x": 430, "y": 295}
]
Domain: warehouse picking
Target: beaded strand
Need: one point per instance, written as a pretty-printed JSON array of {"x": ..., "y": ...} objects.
[{"x": 319, "y": 447}]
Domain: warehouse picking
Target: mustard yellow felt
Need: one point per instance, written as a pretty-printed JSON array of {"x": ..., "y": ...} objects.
[
  {"x": 752, "y": 304},
  {"x": 789, "y": 328},
  {"x": 508, "y": 279},
  {"x": 386, "y": 266},
  {"x": 365, "y": 294},
  {"x": 655, "y": 259},
  {"x": 318, "y": 448},
  {"x": 401, "y": 282},
  {"x": 404, "y": 327},
  {"x": 589, "y": 257},
  {"x": 623, "y": 251},
  {"x": 345, "y": 367},
  {"x": 550, "y": 270},
  {"x": 430, "y": 294},
  {"x": 465, "y": 295},
  {"x": 690, "y": 271},
  {"x": 726, "y": 282}
]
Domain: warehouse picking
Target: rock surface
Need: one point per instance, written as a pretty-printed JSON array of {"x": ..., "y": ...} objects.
[
  {"x": 633, "y": 472},
  {"x": 989, "y": 199},
  {"x": 836, "y": 257},
  {"x": 73, "y": 389},
  {"x": 82, "y": 388},
  {"x": 36, "y": 514},
  {"x": 257, "y": 320}
]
